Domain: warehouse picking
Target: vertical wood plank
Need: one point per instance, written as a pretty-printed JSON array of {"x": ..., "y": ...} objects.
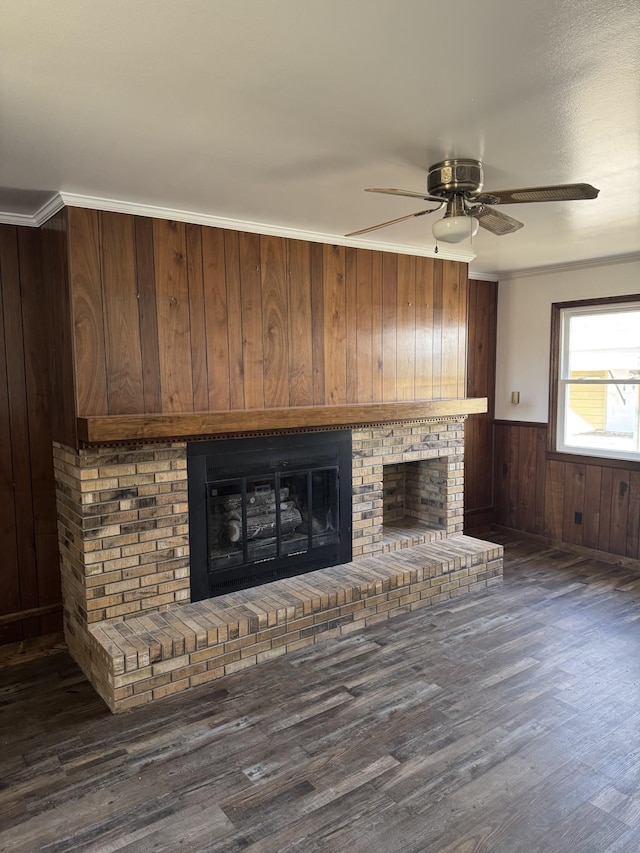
[
  {"x": 554, "y": 499},
  {"x": 463, "y": 289},
  {"x": 574, "y": 490},
  {"x": 273, "y": 268},
  {"x": 19, "y": 424},
  {"x": 514, "y": 473},
  {"x": 424, "y": 328},
  {"x": 633, "y": 517},
  {"x": 300, "y": 324},
  {"x": 451, "y": 328},
  {"x": 502, "y": 443},
  {"x": 146, "y": 278},
  {"x": 406, "y": 321},
  {"x": 389, "y": 326},
  {"x": 234, "y": 318},
  {"x": 335, "y": 327},
  {"x": 476, "y": 364},
  {"x": 351, "y": 323},
  {"x": 9, "y": 573},
  {"x": 317, "y": 316},
  {"x": 88, "y": 312},
  {"x": 436, "y": 355},
  {"x": 252, "y": 347},
  {"x": 121, "y": 321},
  {"x": 376, "y": 326},
  {"x": 364, "y": 337},
  {"x": 195, "y": 280},
  {"x": 619, "y": 512},
  {"x": 172, "y": 306},
  {"x": 57, "y": 284},
  {"x": 591, "y": 515},
  {"x": 36, "y": 300},
  {"x": 606, "y": 495},
  {"x": 541, "y": 473},
  {"x": 526, "y": 437},
  {"x": 215, "y": 309}
]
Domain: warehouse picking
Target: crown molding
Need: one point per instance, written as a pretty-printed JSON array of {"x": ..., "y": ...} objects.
[
  {"x": 34, "y": 220},
  {"x": 195, "y": 218},
  {"x": 483, "y": 276},
  {"x": 634, "y": 257}
]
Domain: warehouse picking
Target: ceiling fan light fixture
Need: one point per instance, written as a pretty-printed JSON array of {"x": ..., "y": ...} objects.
[{"x": 455, "y": 229}]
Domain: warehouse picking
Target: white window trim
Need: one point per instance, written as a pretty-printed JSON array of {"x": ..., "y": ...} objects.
[{"x": 563, "y": 381}]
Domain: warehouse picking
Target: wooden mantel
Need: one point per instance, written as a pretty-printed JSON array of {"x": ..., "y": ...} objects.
[{"x": 121, "y": 428}]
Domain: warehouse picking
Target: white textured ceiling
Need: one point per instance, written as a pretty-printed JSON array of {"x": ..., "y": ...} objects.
[{"x": 277, "y": 113}]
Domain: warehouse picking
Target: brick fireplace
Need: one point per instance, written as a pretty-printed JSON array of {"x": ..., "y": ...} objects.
[{"x": 124, "y": 543}]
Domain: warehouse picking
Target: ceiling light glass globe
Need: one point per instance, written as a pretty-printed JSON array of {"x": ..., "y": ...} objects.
[{"x": 455, "y": 229}]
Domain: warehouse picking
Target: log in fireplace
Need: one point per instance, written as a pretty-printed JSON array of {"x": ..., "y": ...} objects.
[{"x": 267, "y": 507}]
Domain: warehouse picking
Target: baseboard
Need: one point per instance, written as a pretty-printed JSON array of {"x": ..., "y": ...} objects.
[{"x": 548, "y": 542}]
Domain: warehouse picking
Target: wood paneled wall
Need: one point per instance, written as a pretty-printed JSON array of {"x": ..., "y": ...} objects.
[
  {"x": 172, "y": 318},
  {"x": 541, "y": 495},
  {"x": 482, "y": 316},
  {"x": 29, "y": 573}
]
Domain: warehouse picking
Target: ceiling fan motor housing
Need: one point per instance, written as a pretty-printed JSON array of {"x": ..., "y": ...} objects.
[{"x": 455, "y": 176}]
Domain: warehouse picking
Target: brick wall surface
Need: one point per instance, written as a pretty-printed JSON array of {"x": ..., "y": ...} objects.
[{"x": 124, "y": 546}]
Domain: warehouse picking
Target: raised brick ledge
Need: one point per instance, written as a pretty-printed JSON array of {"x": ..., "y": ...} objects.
[{"x": 151, "y": 656}]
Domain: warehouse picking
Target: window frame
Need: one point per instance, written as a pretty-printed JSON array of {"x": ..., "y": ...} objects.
[{"x": 558, "y": 384}]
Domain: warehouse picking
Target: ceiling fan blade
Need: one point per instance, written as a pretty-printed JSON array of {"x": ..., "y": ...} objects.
[
  {"x": 559, "y": 192},
  {"x": 497, "y": 222},
  {"x": 390, "y": 222},
  {"x": 407, "y": 193}
]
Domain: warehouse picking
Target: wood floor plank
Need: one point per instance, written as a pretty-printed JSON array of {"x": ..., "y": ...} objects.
[{"x": 507, "y": 721}]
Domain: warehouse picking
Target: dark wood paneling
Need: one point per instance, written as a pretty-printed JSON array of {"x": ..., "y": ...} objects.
[
  {"x": 335, "y": 325},
  {"x": 275, "y": 331},
  {"x": 364, "y": 330},
  {"x": 172, "y": 306},
  {"x": 35, "y": 303},
  {"x": 300, "y": 330},
  {"x": 605, "y": 492},
  {"x": 252, "y": 346},
  {"x": 481, "y": 316},
  {"x": 150, "y": 350},
  {"x": 351, "y": 324},
  {"x": 574, "y": 490},
  {"x": 406, "y": 323},
  {"x": 197, "y": 318},
  {"x": 389, "y": 327},
  {"x": 424, "y": 328},
  {"x": 88, "y": 312},
  {"x": 173, "y": 318},
  {"x": 121, "y": 314},
  {"x": 57, "y": 299},
  {"x": 29, "y": 569}
]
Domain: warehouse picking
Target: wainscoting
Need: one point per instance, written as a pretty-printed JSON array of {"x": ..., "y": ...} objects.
[{"x": 540, "y": 493}]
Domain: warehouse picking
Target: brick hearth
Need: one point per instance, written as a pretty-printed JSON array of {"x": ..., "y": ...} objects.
[{"x": 123, "y": 531}]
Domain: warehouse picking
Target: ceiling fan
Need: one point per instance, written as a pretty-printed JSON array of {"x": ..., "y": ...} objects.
[{"x": 457, "y": 185}]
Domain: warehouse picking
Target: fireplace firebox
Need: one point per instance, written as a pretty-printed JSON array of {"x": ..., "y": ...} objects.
[{"x": 265, "y": 508}]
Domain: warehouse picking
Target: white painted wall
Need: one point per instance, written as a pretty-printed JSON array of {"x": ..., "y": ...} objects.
[{"x": 524, "y": 327}]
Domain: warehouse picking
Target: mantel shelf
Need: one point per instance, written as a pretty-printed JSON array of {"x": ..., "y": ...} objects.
[{"x": 107, "y": 429}]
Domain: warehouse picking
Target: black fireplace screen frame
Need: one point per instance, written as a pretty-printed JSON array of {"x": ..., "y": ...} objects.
[{"x": 211, "y": 465}]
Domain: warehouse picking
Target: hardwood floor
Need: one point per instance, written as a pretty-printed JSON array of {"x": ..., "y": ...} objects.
[{"x": 505, "y": 721}]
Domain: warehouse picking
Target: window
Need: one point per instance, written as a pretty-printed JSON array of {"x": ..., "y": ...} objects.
[{"x": 597, "y": 382}]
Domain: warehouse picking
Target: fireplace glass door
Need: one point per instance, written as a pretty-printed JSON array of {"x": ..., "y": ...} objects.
[{"x": 272, "y": 508}]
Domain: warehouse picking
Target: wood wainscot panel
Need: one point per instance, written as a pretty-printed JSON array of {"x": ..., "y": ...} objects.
[{"x": 577, "y": 501}]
